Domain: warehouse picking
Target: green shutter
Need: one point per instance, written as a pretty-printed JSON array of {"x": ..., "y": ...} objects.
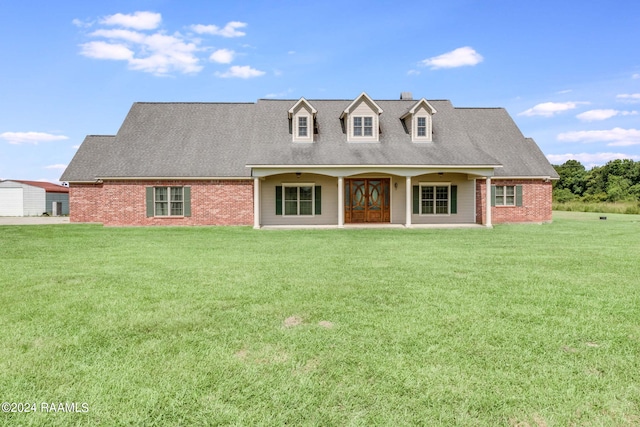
[
  {"x": 454, "y": 199},
  {"x": 278, "y": 199},
  {"x": 318, "y": 200},
  {"x": 150, "y": 210},
  {"x": 187, "y": 201},
  {"x": 518, "y": 195},
  {"x": 493, "y": 195},
  {"x": 416, "y": 199}
]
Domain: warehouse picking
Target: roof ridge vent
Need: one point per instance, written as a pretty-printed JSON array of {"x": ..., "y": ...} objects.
[{"x": 406, "y": 96}]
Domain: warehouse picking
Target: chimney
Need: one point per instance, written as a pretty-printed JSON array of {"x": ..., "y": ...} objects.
[{"x": 406, "y": 96}]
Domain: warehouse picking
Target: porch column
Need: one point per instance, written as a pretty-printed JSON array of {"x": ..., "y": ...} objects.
[
  {"x": 256, "y": 203},
  {"x": 340, "y": 202},
  {"x": 488, "y": 203},
  {"x": 408, "y": 202}
]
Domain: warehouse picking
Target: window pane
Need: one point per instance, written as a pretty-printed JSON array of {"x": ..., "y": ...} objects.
[
  {"x": 161, "y": 194},
  {"x": 427, "y": 200},
  {"x": 499, "y": 190},
  {"x": 161, "y": 208},
  {"x": 510, "y": 201},
  {"x": 306, "y": 207},
  {"x": 302, "y": 126},
  {"x": 291, "y": 193},
  {"x": 510, "y": 190},
  {"x": 306, "y": 193},
  {"x": 176, "y": 208},
  {"x": 176, "y": 194},
  {"x": 357, "y": 126},
  {"x": 368, "y": 126},
  {"x": 499, "y": 200},
  {"x": 422, "y": 126},
  {"x": 291, "y": 200},
  {"x": 291, "y": 208}
]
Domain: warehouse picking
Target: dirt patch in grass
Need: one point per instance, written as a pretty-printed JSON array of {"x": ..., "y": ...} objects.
[
  {"x": 325, "y": 324},
  {"x": 292, "y": 321}
]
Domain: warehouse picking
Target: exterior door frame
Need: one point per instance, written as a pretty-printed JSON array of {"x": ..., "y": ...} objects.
[{"x": 367, "y": 200}]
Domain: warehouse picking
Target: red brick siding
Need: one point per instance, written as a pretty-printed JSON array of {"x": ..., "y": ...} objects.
[
  {"x": 536, "y": 202},
  {"x": 121, "y": 203}
]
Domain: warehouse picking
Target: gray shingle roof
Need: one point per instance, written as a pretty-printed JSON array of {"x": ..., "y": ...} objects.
[{"x": 221, "y": 139}]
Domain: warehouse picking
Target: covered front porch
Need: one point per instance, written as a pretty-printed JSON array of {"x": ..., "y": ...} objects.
[{"x": 352, "y": 197}]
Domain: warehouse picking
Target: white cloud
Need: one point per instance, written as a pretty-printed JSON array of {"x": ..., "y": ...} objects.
[
  {"x": 242, "y": 72},
  {"x": 636, "y": 76},
  {"x": 463, "y": 56},
  {"x": 75, "y": 147},
  {"x": 57, "y": 166},
  {"x": 413, "y": 72},
  {"x": 229, "y": 30},
  {"x": 126, "y": 35},
  {"x": 594, "y": 115},
  {"x": 631, "y": 98},
  {"x": 138, "y": 20},
  {"x": 222, "y": 56},
  {"x": 157, "y": 53},
  {"x": 104, "y": 50},
  {"x": 30, "y": 137},
  {"x": 589, "y": 159},
  {"x": 562, "y": 92},
  {"x": 548, "y": 109},
  {"x": 616, "y": 137},
  {"x": 81, "y": 24}
]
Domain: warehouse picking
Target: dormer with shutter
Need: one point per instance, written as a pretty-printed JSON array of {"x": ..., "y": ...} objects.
[
  {"x": 302, "y": 117},
  {"x": 418, "y": 121},
  {"x": 361, "y": 120}
]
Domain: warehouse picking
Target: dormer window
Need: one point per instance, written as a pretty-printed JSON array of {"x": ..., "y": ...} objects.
[
  {"x": 363, "y": 126},
  {"x": 418, "y": 121},
  {"x": 301, "y": 120},
  {"x": 422, "y": 127},
  {"x": 361, "y": 120},
  {"x": 303, "y": 127}
]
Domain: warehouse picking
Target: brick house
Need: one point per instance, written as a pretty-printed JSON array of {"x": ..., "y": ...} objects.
[{"x": 311, "y": 162}]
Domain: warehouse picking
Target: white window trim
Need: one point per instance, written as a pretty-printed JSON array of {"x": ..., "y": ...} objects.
[
  {"x": 168, "y": 215},
  {"x": 435, "y": 184},
  {"x": 414, "y": 129},
  {"x": 363, "y": 138},
  {"x": 313, "y": 199},
  {"x": 504, "y": 195},
  {"x": 310, "y": 128}
]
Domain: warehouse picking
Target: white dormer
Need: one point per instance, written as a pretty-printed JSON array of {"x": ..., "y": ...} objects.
[
  {"x": 418, "y": 121},
  {"x": 361, "y": 120},
  {"x": 302, "y": 116}
]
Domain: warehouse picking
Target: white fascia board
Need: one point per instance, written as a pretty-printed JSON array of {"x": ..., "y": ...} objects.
[
  {"x": 302, "y": 101},
  {"x": 362, "y": 95},
  {"x": 169, "y": 178}
]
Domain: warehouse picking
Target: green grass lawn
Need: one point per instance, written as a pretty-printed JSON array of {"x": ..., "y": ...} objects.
[{"x": 521, "y": 325}]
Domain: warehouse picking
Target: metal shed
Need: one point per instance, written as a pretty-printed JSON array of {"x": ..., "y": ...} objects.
[{"x": 33, "y": 198}]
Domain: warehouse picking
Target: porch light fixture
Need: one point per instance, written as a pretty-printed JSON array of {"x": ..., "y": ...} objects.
[
  {"x": 395, "y": 185},
  {"x": 298, "y": 174}
]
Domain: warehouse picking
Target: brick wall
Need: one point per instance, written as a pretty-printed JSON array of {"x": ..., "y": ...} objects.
[
  {"x": 536, "y": 202},
  {"x": 122, "y": 203}
]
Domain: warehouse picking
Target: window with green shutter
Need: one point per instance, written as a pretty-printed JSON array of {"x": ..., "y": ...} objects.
[
  {"x": 506, "y": 195},
  {"x": 168, "y": 201},
  {"x": 435, "y": 199},
  {"x": 298, "y": 200}
]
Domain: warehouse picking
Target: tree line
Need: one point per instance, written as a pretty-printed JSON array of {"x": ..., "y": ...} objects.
[{"x": 616, "y": 181}]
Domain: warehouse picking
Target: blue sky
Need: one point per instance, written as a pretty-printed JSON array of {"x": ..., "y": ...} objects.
[{"x": 567, "y": 71}]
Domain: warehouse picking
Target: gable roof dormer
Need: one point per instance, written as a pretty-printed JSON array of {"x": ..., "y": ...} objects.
[
  {"x": 361, "y": 119},
  {"x": 302, "y": 117},
  {"x": 418, "y": 121}
]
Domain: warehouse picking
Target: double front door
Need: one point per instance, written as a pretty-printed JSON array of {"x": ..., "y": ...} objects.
[{"x": 367, "y": 200}]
